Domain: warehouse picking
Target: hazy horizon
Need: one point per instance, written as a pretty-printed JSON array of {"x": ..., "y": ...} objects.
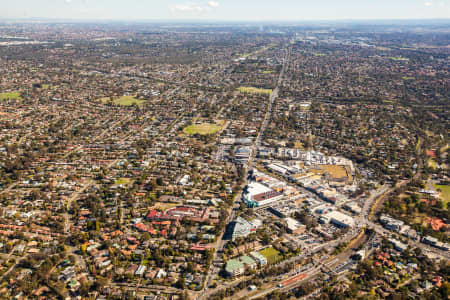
[{"x": 227, "y": 10}]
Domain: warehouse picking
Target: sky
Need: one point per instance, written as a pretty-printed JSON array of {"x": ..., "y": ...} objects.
[{"x": 226, "y": 10}]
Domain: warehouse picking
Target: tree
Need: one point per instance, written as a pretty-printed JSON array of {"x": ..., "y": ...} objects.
[
  {"x": 190, "y": 267},
  {"x": 100, "y": 283},
  {"x": 181, "y": 283}
]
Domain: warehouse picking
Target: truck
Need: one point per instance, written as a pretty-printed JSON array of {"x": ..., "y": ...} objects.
[{"x": 292, "y": 280}]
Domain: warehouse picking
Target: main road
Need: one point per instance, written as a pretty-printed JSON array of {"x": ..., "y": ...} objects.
[{"x": 220, "y": 244}]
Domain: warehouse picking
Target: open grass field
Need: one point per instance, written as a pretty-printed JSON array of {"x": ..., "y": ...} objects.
[
  {"x": 163, "y": 206},
  {"x": 398, "y": 58},
  {"x": 253, "y": 90},
  {"x": 10, "y": 96},
  {"x": 203, "y": 129},
  {"x": 124, "y": 101},
  {"x": 123, "y": 181},
  {"x": 445, "y": 193},
  {"x": 335, "y": 170},
  {"x": 272, "y": 255}
]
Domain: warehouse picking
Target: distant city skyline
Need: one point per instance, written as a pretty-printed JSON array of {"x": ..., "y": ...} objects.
[{"x": 226, "y": 10}]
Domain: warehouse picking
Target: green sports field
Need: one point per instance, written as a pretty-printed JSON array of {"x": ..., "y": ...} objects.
[
  {"x": 202, "y": 129},
  {"x": 445, "y": 193},
  {"x": 253, "y": 90},
  {"x": 124, "y": 101},
  {"x": 272, "y": 255},
  {"x": 10, "y": 96}
]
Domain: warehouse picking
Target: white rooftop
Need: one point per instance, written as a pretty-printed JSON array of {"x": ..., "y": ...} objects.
[
  {"x": 255, "y": 188},
  {"x": 340, "y": 217},
  {"x": 293, "y": 224}
]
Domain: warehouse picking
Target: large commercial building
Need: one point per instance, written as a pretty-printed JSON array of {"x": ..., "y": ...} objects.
[
  {"x": 236, "y": 267},
  {"x": 391, "y": 223},
  {"x": 337, "y": 218},
  {"x": 242, "y": 227},
  {"x": 242, "y": 154},
  {"x": 294, "y": 226},
  {"x": 258, "y": 194}
]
